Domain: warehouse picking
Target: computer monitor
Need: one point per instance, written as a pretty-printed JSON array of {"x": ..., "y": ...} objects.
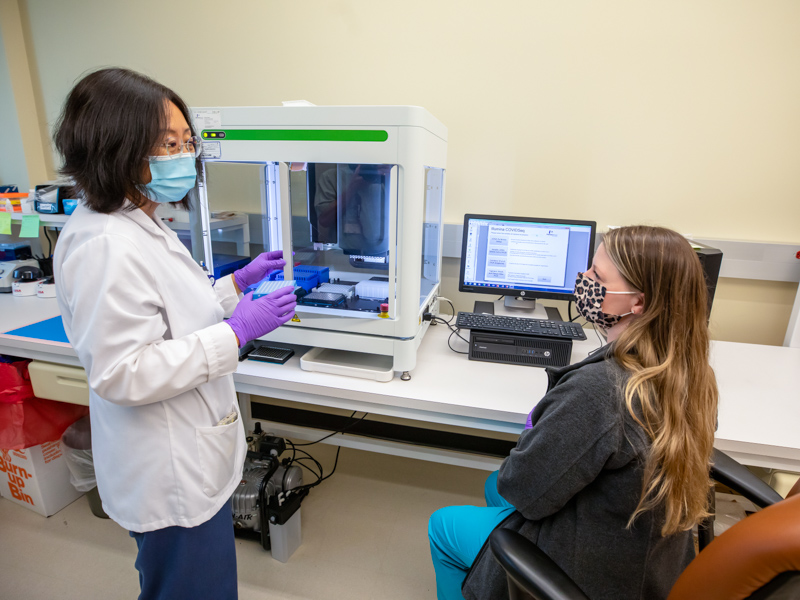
[{"x": 524, "y": 257}]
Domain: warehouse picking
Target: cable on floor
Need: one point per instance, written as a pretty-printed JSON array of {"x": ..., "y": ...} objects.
[{"x": 305, "y": 457}]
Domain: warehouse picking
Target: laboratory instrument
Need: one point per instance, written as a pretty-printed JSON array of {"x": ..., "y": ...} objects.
[
  {"x": 12, "y": 257},
  {"x": 46, "y": 288},
  {"x": 355, "y": 195},
  {"x": 266, "y": 505},
  {"x": 26, "y": 280}
]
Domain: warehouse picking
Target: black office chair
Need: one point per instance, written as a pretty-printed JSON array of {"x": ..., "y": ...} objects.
[
  {"x": 740, "y": 479},
  {"x": 532, "y": 575}
]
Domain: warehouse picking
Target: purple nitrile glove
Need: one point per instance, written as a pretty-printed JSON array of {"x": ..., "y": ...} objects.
[
  {"x": 253, "y": 318},
  {"x": 258, "y": 268}
]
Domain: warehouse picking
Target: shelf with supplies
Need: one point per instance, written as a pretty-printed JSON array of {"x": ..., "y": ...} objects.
[{"x": 45, "y": 220}]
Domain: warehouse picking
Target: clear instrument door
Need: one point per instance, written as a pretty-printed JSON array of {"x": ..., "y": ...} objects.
[
  {"x": 341, "y": 219},
  {"x": 233, "y": 220},
  {"x": 431, "y": 233}
]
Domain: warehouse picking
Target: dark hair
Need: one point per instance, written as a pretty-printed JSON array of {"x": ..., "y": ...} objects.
[{"x": 112, "y": 120}]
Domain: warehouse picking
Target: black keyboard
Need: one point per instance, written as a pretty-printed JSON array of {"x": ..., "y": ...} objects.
[{"x": 518, "y": 325}]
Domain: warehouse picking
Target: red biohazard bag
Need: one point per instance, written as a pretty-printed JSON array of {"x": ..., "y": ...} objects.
[
  {"x": 26, "y": 420},
  {"x": 15, "y": 383}
]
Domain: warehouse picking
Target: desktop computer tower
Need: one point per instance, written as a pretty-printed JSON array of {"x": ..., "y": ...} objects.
[
  {"x": 528, "y": 350},
  {"x": 711, "y": 260}
]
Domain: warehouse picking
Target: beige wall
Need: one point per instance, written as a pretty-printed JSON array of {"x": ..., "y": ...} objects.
[
  {"x": 27, "y": 94},
  {"x": 754, "y": 312},
  {"x": 12, "y": 162},
  {"x": 681, "y": 113}
]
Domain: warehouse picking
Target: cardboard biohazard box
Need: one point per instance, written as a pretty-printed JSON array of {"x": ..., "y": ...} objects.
[{"x": 37, "y": 478}]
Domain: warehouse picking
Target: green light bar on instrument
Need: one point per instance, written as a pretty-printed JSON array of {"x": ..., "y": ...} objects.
[{"x": 297, "y": 135}]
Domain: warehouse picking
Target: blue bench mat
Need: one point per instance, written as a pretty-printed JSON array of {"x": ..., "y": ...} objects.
[{"x": 51, "y": 330}]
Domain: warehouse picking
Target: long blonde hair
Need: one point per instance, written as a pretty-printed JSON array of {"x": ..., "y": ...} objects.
[{"x": 665, "y": 350}]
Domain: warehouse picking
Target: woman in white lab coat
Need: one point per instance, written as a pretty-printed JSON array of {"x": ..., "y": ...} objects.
[{"x": 147, "y": 324}]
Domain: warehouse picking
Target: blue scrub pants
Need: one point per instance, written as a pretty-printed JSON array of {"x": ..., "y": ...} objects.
[
  {"x": 457, "y": 534},
  {"x": 191, "y": 563}
]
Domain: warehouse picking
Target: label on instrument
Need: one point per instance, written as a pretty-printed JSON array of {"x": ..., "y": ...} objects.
[
  {"x": 206, "y": 119},
  {"x": 212, "y": 150}
]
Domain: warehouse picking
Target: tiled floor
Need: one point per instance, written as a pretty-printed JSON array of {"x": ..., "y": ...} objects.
[{"x": 364, "y": 537}]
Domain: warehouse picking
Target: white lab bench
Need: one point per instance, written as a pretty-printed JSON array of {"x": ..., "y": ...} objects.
[{"x": 759, "y": 412}]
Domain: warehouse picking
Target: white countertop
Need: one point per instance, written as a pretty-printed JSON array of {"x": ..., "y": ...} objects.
[{"x": 447, "y": 385}]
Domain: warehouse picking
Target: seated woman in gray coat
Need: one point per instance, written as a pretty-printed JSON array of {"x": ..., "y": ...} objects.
[{"x": 612, "y": 471}]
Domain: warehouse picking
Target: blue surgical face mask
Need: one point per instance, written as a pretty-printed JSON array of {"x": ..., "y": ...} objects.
[{"x": 172, "y": 177}]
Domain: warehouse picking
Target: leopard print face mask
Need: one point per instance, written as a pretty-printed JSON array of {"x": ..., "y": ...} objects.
[{"x": 589, "y": 296}]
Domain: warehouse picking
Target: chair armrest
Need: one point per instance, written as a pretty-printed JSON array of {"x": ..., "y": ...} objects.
[
  {"x": 728, "y": 472},
  {"x": 531, "y": 569},
  {"x": 795, "y": 489}
]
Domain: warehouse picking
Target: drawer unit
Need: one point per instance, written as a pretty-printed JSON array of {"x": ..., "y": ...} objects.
[{"x": 59, "y": 382}]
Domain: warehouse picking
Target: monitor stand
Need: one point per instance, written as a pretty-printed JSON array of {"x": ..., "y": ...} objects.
[{"x": 526, "y": 308}]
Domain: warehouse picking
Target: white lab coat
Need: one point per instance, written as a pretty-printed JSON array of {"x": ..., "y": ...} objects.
[{"x": 147, "y": 326}]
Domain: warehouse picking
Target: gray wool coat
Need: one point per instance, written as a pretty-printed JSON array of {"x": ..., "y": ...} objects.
[{"x": 575, "y": 479}]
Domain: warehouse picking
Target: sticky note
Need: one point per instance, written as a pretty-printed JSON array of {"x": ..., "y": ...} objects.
[
  {"x": 30, "y": 226},
  {"x": 5, "y": 223}
]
